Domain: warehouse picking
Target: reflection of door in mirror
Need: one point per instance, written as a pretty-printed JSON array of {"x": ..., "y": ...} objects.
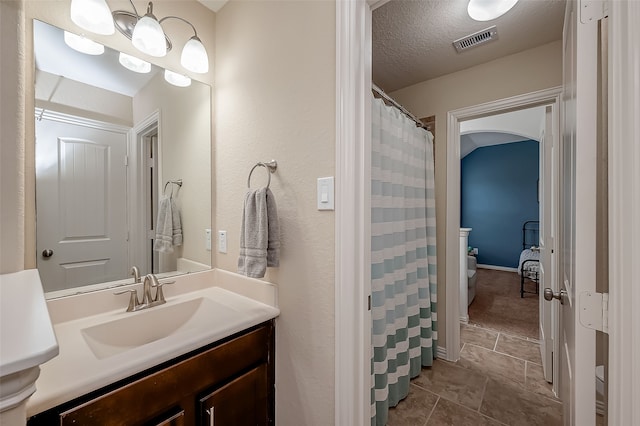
[{"x": 81, "y": 201}]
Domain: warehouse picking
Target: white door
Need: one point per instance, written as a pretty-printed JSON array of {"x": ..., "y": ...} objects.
[
  {"x": 548, "y": 205},
  {"x": 578, "y": 216},
  {"x": 81, "y": 204}
]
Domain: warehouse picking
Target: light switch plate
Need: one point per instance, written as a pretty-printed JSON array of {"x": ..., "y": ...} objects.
[
  {"x": 207, "y": 239},
  {"x": 325, "y": 193},
  {"x": 222, "y": 241}
]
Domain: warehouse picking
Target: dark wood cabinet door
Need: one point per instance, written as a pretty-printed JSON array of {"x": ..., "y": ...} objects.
[{"x": 242, "y": 402}]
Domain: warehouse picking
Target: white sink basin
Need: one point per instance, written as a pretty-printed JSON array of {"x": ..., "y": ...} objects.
[{"x": 152, "y": 324}]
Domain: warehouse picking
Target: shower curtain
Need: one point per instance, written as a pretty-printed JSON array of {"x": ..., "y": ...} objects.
[{"x": 403, "y": 256}]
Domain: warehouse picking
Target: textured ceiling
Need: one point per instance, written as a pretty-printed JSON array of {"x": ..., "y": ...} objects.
[{"x": 412, "y": 39}]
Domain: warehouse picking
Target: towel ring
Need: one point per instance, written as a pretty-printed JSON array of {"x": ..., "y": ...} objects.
[
  {"x": 271, "y": 166},
  {"x": 175, "y": 182}
]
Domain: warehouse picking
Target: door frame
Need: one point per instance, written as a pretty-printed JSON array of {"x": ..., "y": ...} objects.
[
  {"x": 624, "y": 209},
  {"x": 551, "y": 97},
  {"x": 139, "y": 208}
]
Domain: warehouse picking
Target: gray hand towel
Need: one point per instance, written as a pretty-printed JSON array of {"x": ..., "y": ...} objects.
[
  {"x": 259, "y": 235},
  {"x": 168, "y": 226}
]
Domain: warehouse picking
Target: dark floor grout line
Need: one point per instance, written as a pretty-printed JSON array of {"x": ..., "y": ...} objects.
[{"x": 490, "y": 350}]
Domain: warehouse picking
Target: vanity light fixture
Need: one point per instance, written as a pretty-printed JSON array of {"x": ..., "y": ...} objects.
[
  {"x": 134, "y": 64},
  {"x": 147, "y": 35},
  {"x": 83, "y": 44},
  {"x": 145, "y": 32},
  {"x": 486, "y": 10},
  {"x": 177, "y": 79}
]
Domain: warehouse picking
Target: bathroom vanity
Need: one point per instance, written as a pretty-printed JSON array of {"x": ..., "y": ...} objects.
[
  {"x": 205, "y": 357},
  {"x": 230, "y": 382}
]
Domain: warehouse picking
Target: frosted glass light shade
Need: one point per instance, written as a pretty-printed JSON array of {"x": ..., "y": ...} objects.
[
  {"x": 92, "y": 15},
  {"x": 486, "y": 10},
  {"x": 194, "y": 56},
  {"x": 177, "y": 79},
  {"x": 148, "y": 36},
  {"x": 82, "y": 44},
  {"x": 134, "y": 64}
]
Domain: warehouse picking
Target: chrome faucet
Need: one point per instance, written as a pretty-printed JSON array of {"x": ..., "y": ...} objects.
[
  {"x": 149, "y": 282},
  {"x": 136, "y": 274}
]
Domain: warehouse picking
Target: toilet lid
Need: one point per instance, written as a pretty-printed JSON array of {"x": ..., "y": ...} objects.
[{"x": 600, "y": 372}]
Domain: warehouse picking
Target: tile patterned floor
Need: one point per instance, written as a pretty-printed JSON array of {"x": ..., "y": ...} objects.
[{"x": 497, "y": 381}]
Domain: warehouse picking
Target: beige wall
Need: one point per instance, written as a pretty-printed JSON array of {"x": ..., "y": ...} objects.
[
  {"x": 185, "y": 152},
  {"x": 524, "y": 72},
  {"x": 12, "y": 125},
  {"x": 275, "y": 99}
]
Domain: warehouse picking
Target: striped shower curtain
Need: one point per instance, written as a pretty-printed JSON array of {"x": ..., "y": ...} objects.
[{"x": 403, "y": 256}]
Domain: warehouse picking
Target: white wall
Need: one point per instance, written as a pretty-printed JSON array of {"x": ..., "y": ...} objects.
[
  {"x": 524, "y": 72},
  {"x": 185, "y": 152},
  {"x": 275, "y": 99},
  {"x": 75, "y": 98}
]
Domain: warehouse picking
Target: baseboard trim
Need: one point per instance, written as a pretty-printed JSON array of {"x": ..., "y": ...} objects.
[
  {"x": 441, "y": 352},
  {"x": 497, "y": 268}
]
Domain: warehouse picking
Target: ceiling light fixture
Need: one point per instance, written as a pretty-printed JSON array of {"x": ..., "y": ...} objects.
[
  {"x": 134, "y": 64},
  {"x": 177, "y": 79},
  {"x": 486, "y": 10},
  {"x": 145, "y": 32},
  {"x": 82, "y": 44}
]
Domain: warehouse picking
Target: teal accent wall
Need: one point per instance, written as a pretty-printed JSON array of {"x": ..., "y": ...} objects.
[{"x": 498, "y": 194}]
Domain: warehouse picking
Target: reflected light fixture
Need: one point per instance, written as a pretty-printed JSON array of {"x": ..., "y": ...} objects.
[
  {"x": 486, "y": 10},
  {"x": 134, "y": 64},
  {"x": 177, "y": 79},
  {"x": 92, "y": 15},
  {"x": 82, "y": 44}
]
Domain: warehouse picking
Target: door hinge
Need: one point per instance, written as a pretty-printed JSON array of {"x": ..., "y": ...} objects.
[
  {"x": 126, "y": 160},
  {"x": 594, "y": 310},
  {"x": 592, "y": 11},
  {"x": 369, "y": 302}
]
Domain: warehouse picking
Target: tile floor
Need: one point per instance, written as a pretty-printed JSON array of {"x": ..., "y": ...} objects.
[{"x": 497, "y": 381}]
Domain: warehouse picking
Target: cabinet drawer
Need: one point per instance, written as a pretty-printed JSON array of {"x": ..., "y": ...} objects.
[{"x": 172, "y": 388}]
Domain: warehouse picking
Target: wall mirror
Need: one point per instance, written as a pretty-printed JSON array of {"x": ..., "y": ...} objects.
[{"x": 123, "y": 166}]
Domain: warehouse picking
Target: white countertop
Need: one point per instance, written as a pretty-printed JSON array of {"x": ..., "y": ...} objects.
[
  {"x": 25, "y": 328},
  {"x": 77, "y": 371}
]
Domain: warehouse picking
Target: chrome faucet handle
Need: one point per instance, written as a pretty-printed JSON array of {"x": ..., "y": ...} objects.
[
  {"x": 159, "y": 299},
  {"x": 150, "y": 280},
  {"x": 133, "y": 299},
  {"x": 136, "y": 274}
]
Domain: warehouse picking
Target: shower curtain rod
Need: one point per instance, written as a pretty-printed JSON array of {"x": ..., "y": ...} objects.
[{"x": 405, "y": 111}]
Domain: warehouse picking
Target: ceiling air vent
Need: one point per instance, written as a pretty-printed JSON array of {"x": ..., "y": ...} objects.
[{"x": 476, "y": 39}]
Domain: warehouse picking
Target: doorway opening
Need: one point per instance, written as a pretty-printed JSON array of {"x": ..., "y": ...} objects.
[{"x": 456, "y": 126}]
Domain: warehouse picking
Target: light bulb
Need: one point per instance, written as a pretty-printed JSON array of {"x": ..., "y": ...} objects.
[
  {"x": 194, "y": 56},
  {"x": 134, "y": 64},
  {"x": 177, "y": 79},
  {"x": 486, "y": 10},
  {"x": 92, "y": 15},
  {"x": 148, "y": 36},
  {"x": 82, "y": 44}
]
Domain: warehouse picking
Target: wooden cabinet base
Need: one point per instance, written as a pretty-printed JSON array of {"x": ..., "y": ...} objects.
[{"x": 232, "y": 379}]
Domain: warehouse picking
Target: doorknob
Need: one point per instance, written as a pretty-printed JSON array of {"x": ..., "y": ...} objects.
[
  {"x": 47, "y": 253},
  {"x": 550, "y": 295}
]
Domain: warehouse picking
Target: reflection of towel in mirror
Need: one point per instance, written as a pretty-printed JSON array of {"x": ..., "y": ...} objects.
[
  {"x": 260, "y": 234},
  {"x": 168, "y": 226}
]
